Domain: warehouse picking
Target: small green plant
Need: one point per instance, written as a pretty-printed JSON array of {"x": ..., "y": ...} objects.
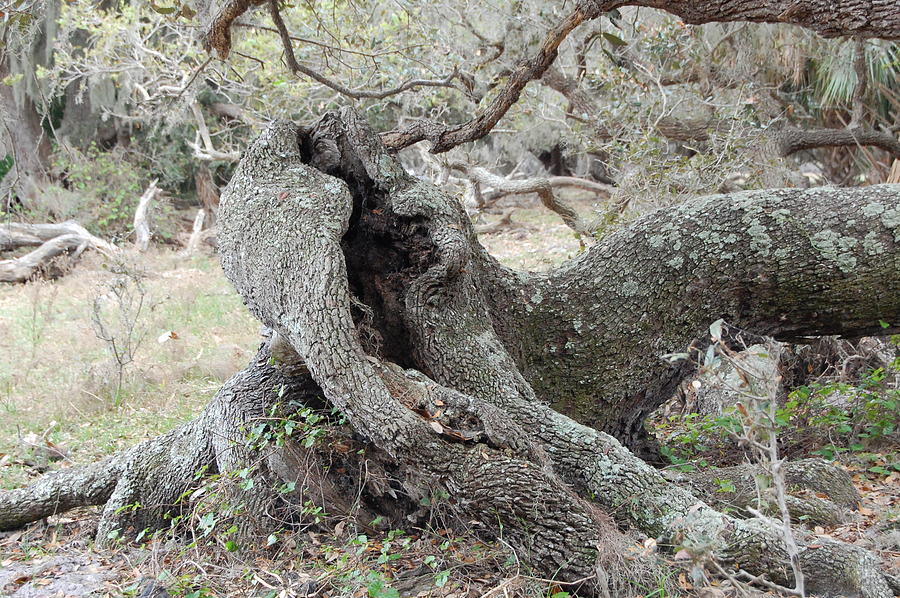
[
  {"x": 825, "y": 419},
  {"x": 6, "y": 165}
]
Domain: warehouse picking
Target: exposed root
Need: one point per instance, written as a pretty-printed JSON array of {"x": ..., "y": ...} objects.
[
  {"x": 60, "y": 491},
  {"x": 734, "y": 488}
]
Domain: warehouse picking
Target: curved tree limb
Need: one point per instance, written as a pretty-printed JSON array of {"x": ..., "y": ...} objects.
[
  {"x": 60, "y": 491},
  {"x": 543, "y": 187},
  {"x": 356, "y": 94},
  {"x": 792, "y": 139},
  {"x": 444, "y": 138},
  {"x": 788, "y": 263}
]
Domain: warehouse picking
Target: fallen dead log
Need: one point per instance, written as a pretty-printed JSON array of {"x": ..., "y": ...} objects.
[
  {"x": 52, "y": 240},
  {"x": 23, "y": 269},
  {"x": 19, "y": 234},
  {"x": 141, "y": 219}
]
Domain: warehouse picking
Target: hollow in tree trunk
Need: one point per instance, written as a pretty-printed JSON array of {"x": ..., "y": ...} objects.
[{"x": 458, "y": 374}]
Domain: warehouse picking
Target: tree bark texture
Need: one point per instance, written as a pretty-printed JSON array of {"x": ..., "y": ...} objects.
[
  {"x": 828, "y": 18},
  {"x": 402, "y": 255},
  {"x": 30, "y": 144},
  {"x": 443, "y": 361},
  {"x": 591, "y": 336},
  {"x": 792, "y": 139}
]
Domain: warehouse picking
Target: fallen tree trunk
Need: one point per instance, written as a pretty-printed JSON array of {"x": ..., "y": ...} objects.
[
  {"x": 26, "y": 267},
  {"x": 53, "y": 240},
  {"x": 17, "y": 234}
]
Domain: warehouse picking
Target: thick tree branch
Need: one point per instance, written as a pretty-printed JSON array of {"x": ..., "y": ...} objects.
[
  {"x": 792, "y": 139},
  {"x": 787, "y": 262},
  {"x": 60, "y": 491},
  {"x": 356, "y": 94},
  {"x": 218, "y": 18},
  {"x": 856, "y": 133},
  {"x": 828, "y": 18}
]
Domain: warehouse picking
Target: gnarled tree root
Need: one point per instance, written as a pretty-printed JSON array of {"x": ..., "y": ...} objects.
[
  {"x": 375, "y": 268},
  {"x": 734, "y": 489}
]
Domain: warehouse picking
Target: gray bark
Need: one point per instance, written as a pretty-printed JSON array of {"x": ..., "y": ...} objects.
[
  {"x": 821, "y": 493},
  {"x": 792, "y": 140},
  {"x": 789, "y": 263},
  {"x": 416, "y": 244},
  {"x": 829, "y": 18}
]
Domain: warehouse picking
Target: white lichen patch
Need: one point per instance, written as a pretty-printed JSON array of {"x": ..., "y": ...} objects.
[
  {"x": 873, "y": 245},
  {"x": 836, "y": 248},
  {"x": 760, "y": 241},
  {"x": 873, "y": 209},
  {"x": 781, "y": 215},
  {"x": 891, "y": 220}
]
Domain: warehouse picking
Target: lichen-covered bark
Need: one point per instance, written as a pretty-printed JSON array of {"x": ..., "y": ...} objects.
[
  {"x": 377, "y": 287},
  {"x": 281, "y": 226},
  {"x": 591, "y": 336},
  {"x": 821, "y": 493},
  {"x": 440, "y": 288}
]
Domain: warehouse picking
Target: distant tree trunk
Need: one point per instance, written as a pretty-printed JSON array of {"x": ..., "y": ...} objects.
[
  {"x": 207, "y": 193},
  {"x": 30, "y": 144}
]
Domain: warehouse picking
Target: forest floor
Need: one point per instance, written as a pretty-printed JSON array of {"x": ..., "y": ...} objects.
[{"x": 64, "y": 403}]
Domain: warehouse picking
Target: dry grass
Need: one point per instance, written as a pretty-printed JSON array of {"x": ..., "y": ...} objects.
[
  {"x": 57, "y": 378},
  {"x": 538, "y": 239}
]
